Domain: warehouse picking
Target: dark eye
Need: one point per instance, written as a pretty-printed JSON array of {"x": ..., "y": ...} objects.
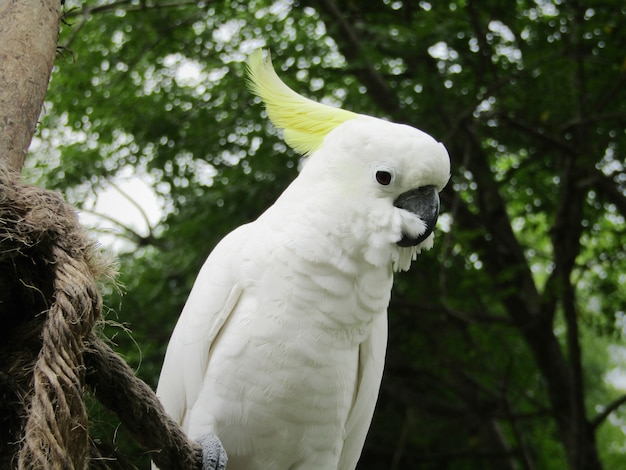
[{"x": 383, "y": 177}]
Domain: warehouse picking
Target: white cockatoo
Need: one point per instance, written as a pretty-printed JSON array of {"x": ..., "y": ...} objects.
[{"x": 280, "y": 347}]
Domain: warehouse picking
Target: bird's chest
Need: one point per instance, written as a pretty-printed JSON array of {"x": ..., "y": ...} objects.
[
  {"x": 287, "y": 379},
  {"x": 283, "y": 395}
]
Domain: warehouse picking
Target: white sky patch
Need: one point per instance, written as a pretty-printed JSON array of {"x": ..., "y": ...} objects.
[
  {"x": 442, "y": 51},
  {"x": 484, "y": 106},
  {"x": 506, "y": 46},
  {"x": 280, "y": 9},
  {"x": 189, "y": 73},
  {"x": 616, "y": 376},
  {"x": 446, "y": 59},
  {"x": 227, "y": 31},
  {"x": 547, "y": 8},
  {"x": 128, "y": 204},
  {"x": 445, "y": 222},
  {"x": 216, "y": 75},
  {"x": 501, "y": 30}
]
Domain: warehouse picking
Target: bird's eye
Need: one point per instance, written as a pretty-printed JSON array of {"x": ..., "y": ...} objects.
[{"x": 383, "y": 177}]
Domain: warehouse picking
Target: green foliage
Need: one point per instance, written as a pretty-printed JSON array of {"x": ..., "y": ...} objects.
[{"x": 527, "y": 96}]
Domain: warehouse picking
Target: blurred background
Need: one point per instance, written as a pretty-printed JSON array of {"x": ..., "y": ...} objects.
[{"x": 506, "y": 347}]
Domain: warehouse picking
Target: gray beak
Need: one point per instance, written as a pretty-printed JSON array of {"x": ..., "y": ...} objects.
[{"x": 424, "y": 203}]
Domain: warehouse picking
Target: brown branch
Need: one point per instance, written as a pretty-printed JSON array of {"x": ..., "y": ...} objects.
[
  {"x": 611, "y": 407},
  {"x": 402, "y": 440},
  {"x": 135, "y": 204},
  {"x": 504, "y": 259},
  {"x": 352, "y": 48},
  {"x": 88, "y": 10},
  {"x": 503, "y": 254},
  {"x": 467, "y": 317},
  {"x": 485, "y": 49},
  {"x": 125, "y": 232},
  {"x": 28, "y": 38},
  {"x": 574, "y": 427},
  {"x": 593, "y": 119},
  {"x": 608, "y": 190},
  {"x": 128, "y": 6},
  {"x": 536, "y": 132}
]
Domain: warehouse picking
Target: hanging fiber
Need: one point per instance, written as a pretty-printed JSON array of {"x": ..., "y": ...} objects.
[{"x": 49, "y": 355}]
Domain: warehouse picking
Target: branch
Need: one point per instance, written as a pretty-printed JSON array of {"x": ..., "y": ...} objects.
[
  {"x": 409, "y": 419},
  {"x": 592, "y": 119},
  {"x": 503, "y": 254},
  {"x": 28, "y": 39},
  {"x": 127, "y": 5},
  {"x": 87, "y": 11},
  {"x": 614, "y": 405},
  {"x": 535, "y": 131},
  {"x": 135, "y": 204},
  {"x": 127, "y": 232},
  {"x": 608, "y": 190},
  {"x": 485, "y": 49},
  {"x": 477, "y": 318},
  {"x": 352, "y": 48}
]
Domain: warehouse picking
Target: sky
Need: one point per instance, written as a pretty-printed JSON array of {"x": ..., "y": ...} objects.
[{"x": 129, "y": 202}]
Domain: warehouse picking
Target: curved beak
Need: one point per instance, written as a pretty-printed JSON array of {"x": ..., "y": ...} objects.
[{"x": 424, "y": 203}]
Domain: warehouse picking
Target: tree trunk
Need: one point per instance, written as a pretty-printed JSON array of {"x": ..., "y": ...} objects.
[{"x": 29, "y": 31}]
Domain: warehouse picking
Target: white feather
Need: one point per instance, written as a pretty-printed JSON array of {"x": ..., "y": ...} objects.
[
  {"x": 279, "y": 350},
  {"x": 271, "y": 352}
]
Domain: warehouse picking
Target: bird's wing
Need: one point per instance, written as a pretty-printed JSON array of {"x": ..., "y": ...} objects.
[
  {"x": 371, "y": 363},
  {"x": 212, "y": 299}
]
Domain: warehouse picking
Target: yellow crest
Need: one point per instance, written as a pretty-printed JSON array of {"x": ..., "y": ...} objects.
[{"x": 305, "y": 122}]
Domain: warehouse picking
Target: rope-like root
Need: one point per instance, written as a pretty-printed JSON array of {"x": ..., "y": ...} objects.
[
  {"x": 56, "y": 429},
  {"x": 116, "y": 387},
  {"x": 49, "y": 305}
]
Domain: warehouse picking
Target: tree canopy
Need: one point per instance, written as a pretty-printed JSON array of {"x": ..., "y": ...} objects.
[{"x": 502, "y": 338}]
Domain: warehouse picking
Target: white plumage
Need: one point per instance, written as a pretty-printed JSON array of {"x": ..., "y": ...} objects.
[{"x": 279, "y": 350}]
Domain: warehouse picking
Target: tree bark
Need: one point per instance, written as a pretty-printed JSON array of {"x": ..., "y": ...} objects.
[{"x": 28, "y": 38}]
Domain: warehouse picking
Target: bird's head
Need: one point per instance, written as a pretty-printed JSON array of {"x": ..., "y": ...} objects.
[{"x": 393, "y": 172}]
